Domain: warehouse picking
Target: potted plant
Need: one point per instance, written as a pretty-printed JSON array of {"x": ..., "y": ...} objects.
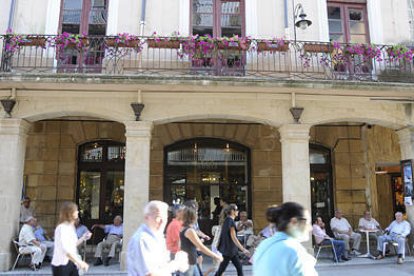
[
  {"x": 32, "y": 40},
  {"x": 234, "y": 43},
  {"x": 400, "y": 53},
  {"x": 123, "y": 40},
  {"x": 272, "y": 45},
  {"x": 317, "y": 47},
  {"x": 200, "y": 49},
  {"x": 168, "y": 42},
  {"x": 71, "y": 41}
]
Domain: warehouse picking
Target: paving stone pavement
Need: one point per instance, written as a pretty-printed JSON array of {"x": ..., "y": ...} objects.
[{"x": 325, "y": 267}]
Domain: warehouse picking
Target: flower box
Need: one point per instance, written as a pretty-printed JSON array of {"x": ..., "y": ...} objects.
[
  {"x": 33, "y": 41},
  {"x": 317, "y": 48},
  {"x": 163, "y": 43},
  {"x": 70, "y": 44},
  {"x": 112, "y": 42},
  {"x": 272, "y": 46},
  {"x": 233, "y": 45}
]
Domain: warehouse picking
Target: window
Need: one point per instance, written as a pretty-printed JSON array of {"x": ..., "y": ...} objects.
[
  {"x": 218, "y": 17},
  {"x": 348, "y": 23},
  {"x": 84, "y": 16}
]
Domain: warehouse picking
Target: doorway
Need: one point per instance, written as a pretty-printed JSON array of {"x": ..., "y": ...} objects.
[
  {"x": 100, "y": 188},
  {"x": 204, "y": 168},
  {"x": 321, "y": 183}
]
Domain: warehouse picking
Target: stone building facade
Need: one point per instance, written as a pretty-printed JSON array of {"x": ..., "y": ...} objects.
[{"x": 343, "y": 151}]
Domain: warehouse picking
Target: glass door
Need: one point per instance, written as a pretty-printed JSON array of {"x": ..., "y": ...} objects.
[
  {"x": 321, "y": 183},
  {"x": 89, "y": 195},
  {"x": 203, "y": 169},
  {"x": 100, "y": 192}
]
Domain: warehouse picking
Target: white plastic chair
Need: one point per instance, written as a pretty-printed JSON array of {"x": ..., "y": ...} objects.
[
  {"x": 395, "y": 245},
  {"x": 17, "y": 245}
]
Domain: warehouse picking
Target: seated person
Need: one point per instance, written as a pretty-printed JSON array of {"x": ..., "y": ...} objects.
[
  {"x": 29, "y": 243},
  {"x": 41, "y": 236},
  {"x": 26, "y": 210},
  {"x": 82, "y": 231},
  {"x": 367, "y": 222},
  {"x": 244, "y": 227},
  {"x": 397, "y": 231},
  {"x": 114, "y": 236},
  {"x": 321, "y": 238},
  {"x": 343, "y": 231},
  {"x": 80, "y": 228},
  {"x": 268, "y": 231}
]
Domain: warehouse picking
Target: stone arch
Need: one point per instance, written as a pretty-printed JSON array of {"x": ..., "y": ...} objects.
[
  {"x": 214, "y": 117},
  {"x": 74, "y": 111},
  {"x": 388, "y": 122},
  {"x": 262, "y": 140},
  {"x": 51, "y": 159}
]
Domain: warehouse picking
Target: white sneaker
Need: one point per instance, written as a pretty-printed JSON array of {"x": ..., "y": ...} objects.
[{"x": 355, "y": 252}]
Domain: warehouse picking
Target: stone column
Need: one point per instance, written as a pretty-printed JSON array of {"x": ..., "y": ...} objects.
[
  {"x": 294, "y": 140},
  {"x": 406, "y": 137},
  {"x": 137, "y": 178},
  {"x": 13, "y": 136}
]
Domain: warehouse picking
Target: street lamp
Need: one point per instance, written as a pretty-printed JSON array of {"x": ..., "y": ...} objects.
[{"x": 298, "y": 12}]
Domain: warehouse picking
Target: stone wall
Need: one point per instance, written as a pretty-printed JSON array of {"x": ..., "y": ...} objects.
[
  {"x": 263, "y": 142},
  {"x": 383, "y": 148},
  {"x": 51, "y": 160},
  {"x": 348, "y": 162}
]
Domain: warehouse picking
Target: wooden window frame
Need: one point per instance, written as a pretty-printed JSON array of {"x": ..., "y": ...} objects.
[
  {"x": 84, "y": 20},
  {"x": 217, "y": 16},
  {"x": 344, "y": 7}
]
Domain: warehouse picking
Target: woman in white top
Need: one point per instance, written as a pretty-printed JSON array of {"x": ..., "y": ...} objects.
[{"x": 66, "y": 260}]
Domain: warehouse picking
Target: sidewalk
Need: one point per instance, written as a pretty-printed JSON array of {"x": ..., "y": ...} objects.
[{"x": 325, "y": 267}]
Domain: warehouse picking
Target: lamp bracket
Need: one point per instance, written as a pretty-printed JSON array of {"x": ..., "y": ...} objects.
[{"x": 137, "y": 108}]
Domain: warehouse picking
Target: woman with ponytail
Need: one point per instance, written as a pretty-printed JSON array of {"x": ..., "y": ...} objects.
[
  {"x": 282, "y": 254},
  {"x": 229, "y": 245}
]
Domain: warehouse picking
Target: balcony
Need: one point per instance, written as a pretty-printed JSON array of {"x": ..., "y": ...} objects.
[{"x": 204, "y": 57}]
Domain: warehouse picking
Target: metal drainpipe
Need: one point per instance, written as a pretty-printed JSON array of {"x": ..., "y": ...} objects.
[
  {"x": 142, "y": 21},
  {"x": 286, "y": 17},
  {"x": 11, "y": 15}
]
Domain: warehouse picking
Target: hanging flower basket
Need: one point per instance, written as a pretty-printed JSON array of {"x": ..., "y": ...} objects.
[
  {"x": 117, "y": 43},
  {"x": 34, "y": 41},
  {"x": 230, "y": 44},
  {"x": 273, "y": 46},
  {"x": 163, "y": 43},
  {"x": 317, "y": 48},
  {"x": 71, "y": 41}
]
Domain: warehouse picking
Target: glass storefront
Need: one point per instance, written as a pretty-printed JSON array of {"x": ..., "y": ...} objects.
[{"x": 205, "y": 168}]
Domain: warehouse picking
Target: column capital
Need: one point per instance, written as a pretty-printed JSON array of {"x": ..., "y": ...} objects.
[
  {"x": 138, "y": 129},
  {"x": 294, "y": 132},
  {"x": 406, "y": 135},
  {"x": 13, "y": 126}
]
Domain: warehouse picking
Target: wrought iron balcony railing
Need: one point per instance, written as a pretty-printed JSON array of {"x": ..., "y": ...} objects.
[{"x": 247, "y": 58}]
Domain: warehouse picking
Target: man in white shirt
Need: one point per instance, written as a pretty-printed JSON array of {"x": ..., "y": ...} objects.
[
  {"x": 113, "y": 239},
  {"x": 25, "y": 210},
  {"x": 398, "y": 230},
  {"x": 29, "y": 244},
  {"x": 147, "y": 251},
  {"x": 343, "y": 231},
  {"x": 321, "y": 238},
  {"x": 367, "y": 222}
]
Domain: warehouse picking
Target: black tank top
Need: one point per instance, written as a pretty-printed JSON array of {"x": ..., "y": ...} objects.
[{"x": 188, "y": 247}]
